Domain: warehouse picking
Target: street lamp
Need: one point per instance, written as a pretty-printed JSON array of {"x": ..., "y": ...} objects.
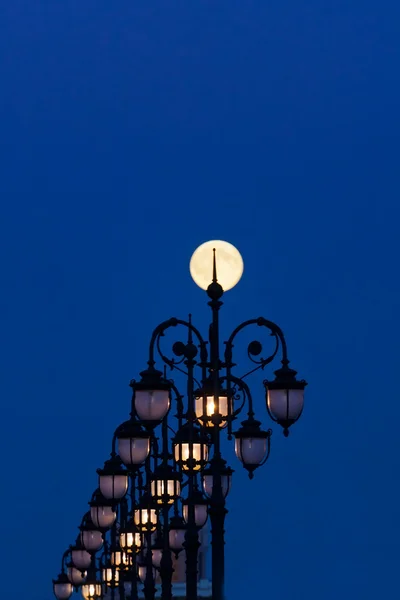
[
  {"x": 102, "y": 511},
  {"x": 285, "y": 397},
  {"x": 200, "y": 509},
  {"x": 91, "y": 538},
  {"x": 76, "y": 576},
  {"x": 62, "y": 587},
  {"x": 143, "y": 480},
  {"x": 113, "y": 479},
  {"x": 133, "y": 443},
  {"x": 165, "y": 484},
  {"x": 191, "y": 448},
  {"x": 80, "y": 557}
]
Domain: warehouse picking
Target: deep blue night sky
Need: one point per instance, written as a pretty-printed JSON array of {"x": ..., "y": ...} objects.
[{"x": 131, "y": 132}]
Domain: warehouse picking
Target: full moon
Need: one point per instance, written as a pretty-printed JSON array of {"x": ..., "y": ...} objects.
[{"x": 229, "y": 264}]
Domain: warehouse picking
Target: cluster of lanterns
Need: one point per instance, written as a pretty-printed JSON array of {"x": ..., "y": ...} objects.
[{"x": 190, "y": 451}]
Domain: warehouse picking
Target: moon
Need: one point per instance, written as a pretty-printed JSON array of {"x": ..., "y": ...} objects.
[{"x": 229, "y": 264}]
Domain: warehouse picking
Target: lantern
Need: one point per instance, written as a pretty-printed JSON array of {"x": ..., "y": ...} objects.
[
  {"x": 252, "y": 445},
  {"x": 191, "y": 447},
  {"x": 285, "y": 397},
  {"x": 113, "y": 479}
]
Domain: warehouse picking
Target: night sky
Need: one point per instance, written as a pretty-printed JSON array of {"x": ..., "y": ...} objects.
[{"x": 133, "y": 131}]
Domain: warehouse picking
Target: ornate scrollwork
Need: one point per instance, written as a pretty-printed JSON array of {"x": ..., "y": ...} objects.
[{"x": 255, "y": 347}]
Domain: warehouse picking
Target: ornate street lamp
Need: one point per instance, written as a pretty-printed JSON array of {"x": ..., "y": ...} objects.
[
  {"x": 177, "y": 531},
  {"x": 102, "y": 511},
  {"x": 91, "y": 538},
  {"x": 191, "y": 448},
  {"x": 76, "y": 576},
  {"x": 200, "y": 505},
  {"x": 133, "y": 443},
  {"x": 62, "y": 587},
  {"x": 113, "y": 479},
  {"x": 138, "y": 485},
  {"x": 80, "y": 557},
  {"x": 165, "y": 484},
  {"x": 252, "y": 445},
  {"x": 92, "y": 588},
  {"x": 151, "y": 397},
  {"x": 225, "y": 474},
  {"x": 130, "y": 538},
  {"x": 285, "y": 397},
  {"x": 146, "y": 517},
  {"x": 213, "y": 411}
]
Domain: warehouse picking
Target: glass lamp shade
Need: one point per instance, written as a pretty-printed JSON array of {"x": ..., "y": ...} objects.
[
  {"x": 156, "y": 556},
  {"x": 146, "y": 518},
  {"x": 200, "y": 514},
  {"x": 103, "y": 516},
  {"x": 92, "y": 540},
  {"x": 76, "y": 576},
  {"x": 113, "y": 486},
  {"x": 170, "y": 489},
  {"x": 226, "y": 481},
  {"x": 113, "y": 479},
  {"x": 200, "y": 509},
  {"x": 91, "y": 591},
  {"x": 81, "y": 558},
  {"x": 110, "y": 576},
  {"x": 130, "y": 540},
  {"x": 190, "y": 450},
  {"x": 252, "y": 445},
  {"x": 205, "y": 407},
  {"x": 250, "y": 450},
  {"x": 151, "y": 396},
  {"x": 62, "y": 587},
  {"x": 177, "y": 531},
  {"x": 285, "y": 398},
  {"x": 152, "y": 405},
  {"x": 142, "y": 572},
  {"x": 165, "y": 485},
  {"x": 133, "y": 443},
  {"x": 119, "y": 558}
]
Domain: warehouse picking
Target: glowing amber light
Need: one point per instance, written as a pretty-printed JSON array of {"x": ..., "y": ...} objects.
[
  {"x": 211, "y": 408},
  {"x": 146, "y": 517},
  {"x": 199, "y": 454},
  {"x": 91, "y": 591}
]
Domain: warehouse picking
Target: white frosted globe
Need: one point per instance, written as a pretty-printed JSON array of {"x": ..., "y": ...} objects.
[{"x": 228, "y": 260}]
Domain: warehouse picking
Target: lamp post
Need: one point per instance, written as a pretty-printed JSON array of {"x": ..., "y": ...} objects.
[{"x": 157, "y": 465}]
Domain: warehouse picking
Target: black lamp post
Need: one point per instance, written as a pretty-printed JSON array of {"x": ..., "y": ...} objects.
[{"x": 156, "y": 465}]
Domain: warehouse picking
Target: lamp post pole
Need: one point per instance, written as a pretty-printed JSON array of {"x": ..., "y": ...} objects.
[
  {"x": 192, "y": 543},
  {"x": 217, "y": 508}
]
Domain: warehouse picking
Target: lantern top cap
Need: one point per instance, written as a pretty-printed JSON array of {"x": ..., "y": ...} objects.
[
  {"x": 112, "y": 466},
  {"x": 285, "y": 378},
  {"x": 177, "y": 522},
  {"x": 185, "y": 435},
  {"x": 165, "y": 471},
  {"x": 62, "y": 578},
  {"x": 251, "y": 428},
  {"x": 151, "y": 379},
  {"x": 131, "y": 428},
  {"x": 99, "y": 500}
]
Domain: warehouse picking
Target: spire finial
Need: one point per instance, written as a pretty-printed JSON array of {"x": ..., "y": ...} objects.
[
  {"x": 215, "y": 290},
  {"x": 190, "y": 337},
  {"x": 215, "y": 280}
]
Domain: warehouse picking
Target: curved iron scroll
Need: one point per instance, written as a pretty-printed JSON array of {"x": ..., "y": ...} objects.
[{"x": 255, "y": 347}]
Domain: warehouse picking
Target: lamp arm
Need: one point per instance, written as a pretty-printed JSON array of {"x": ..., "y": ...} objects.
[
  {"x": 255, "y": 348},
  {"x": 159, "y": 332}
]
